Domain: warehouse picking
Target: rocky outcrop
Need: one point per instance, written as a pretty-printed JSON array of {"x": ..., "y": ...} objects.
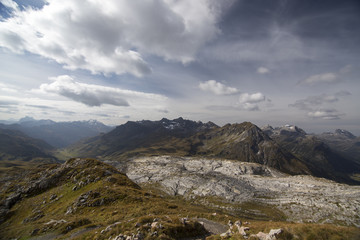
[
  {"x": 272, "y": 235},
  {"x": 301, "y": 198}
]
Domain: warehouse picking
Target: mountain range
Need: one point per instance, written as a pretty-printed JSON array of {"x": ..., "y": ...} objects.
[
  {"x": 58, "y": 134},
  {"x": 288, "y": 149}
]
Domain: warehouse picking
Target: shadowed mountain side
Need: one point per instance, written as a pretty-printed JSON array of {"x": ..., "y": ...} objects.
[
  {"x": 16, "y": 146},
  {"x": 321, "y": 159},
  {"x": 343, "y": 142}
]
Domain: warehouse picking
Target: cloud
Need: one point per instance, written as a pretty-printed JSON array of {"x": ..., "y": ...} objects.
[
  {"x": 312, "y": 104},
  {"x": 69, "y": 113},
  {"x": 251, "y": 98},
  {"x": 8, "y": 102},
  {"x": 311, "y": 101},
  {"x": 112, "y": 36},
  {"x": 163, "y": 110},
  {"x": 250, "y": 102},
  {"x": 39, "y": 106},
  {"x": 263, "y": 70},
  {"x": 326, "y": 114},
  {"x": 321, "y": 78},
  {"x": 7, "y": 88},
  {"x": 343, "y": 93},
  {"x": 217, "y": 88},
  {"x": 93, "y": 95},
  {"x": 9, "y": 106},
  {"x": 346, "y": 69},
  {"x": 10, "y": 4},
  {"x": 327, "y": 78}
]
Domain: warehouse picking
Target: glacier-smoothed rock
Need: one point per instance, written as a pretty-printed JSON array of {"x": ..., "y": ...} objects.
[{"x": 301, "y": 198}]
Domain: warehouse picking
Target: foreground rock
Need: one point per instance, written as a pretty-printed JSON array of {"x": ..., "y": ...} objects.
[
  {"x": 301, "y": 198},
  {"x": 268, "y": 236}
]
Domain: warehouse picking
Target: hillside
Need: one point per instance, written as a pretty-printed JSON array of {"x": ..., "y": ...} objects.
[
  {"x": 87, "y": 199},
  {"x": 85, "y": 195},
  {"x": 17, "y": 147}
]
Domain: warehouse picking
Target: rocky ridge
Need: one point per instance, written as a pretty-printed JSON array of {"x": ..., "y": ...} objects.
[{"x": 301, "y": 198}]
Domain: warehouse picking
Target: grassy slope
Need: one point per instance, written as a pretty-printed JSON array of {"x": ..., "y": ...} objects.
[{"x": 132, "y": 207}]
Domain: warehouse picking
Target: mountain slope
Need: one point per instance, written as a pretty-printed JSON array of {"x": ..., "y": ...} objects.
[
  {"x": 321, "y": 159},
  {"x": 143, "y": 137},
  {"x": 344, "y": 142},
  {"x": 244, "y": 142},
  {"x": 247, "y": 143},
  {"x": 16, "y": 146}
]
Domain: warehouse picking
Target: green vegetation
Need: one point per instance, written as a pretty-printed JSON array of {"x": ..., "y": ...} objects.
[{"x": 87, "y": 199}]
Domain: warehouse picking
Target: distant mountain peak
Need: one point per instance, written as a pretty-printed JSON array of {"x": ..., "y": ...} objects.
[
  {"x": 26, "y": 119},
  {"x": 168, "y": 124},
  {"x": 345, "y": 133},
  {"x": 92, "y": 122},
  {"x": 286, "y": 129}
]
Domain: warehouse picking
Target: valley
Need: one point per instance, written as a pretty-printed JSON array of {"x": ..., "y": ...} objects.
[{"x": 181, "y": 179}]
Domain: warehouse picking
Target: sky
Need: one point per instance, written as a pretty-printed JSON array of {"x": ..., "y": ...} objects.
[{"x": 268, "y": 62}]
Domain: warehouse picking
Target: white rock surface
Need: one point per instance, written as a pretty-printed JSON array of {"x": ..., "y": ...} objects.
[{"x": 301, "y": 198}]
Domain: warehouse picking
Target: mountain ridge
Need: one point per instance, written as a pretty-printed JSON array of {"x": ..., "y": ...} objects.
[
  {"x": 58, "y": 134},
  {"x": 244, "y": 142}
]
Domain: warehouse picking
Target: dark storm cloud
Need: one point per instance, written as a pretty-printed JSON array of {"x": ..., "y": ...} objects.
[{"x": 287, "y": 30}]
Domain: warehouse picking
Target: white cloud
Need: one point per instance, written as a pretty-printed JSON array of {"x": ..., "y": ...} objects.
[
  {"x": 250, "y": 106},
  {"x": 263, "y": 70},
  {"x": 217, "y": 88},
  {"x": 326, "y": 114},
  {"x": 10, "y": 4},
  {"x": 250, "y": 101},
  {"x": 321, "y": 78},
  {"x": 251, "y": 98},
  {"x": 7, "y": 88},
  {"x": 112, "y": 36},
  {"x": 94, "y": 95}
]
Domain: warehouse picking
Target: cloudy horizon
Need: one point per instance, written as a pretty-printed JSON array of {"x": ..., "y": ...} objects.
[{"x": 268, "y": 62}]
